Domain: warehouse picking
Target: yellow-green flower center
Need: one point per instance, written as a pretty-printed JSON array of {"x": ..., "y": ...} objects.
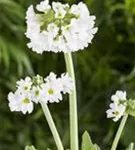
[
  {"x": 67, "y": 27},
  {"x": 26, "y": 88},
  {"x": 59, "y": 14},
  {"x": 51, "y": 91},
  {"x": 116, "y": 113},
  {"x": 26, "y": 101},
  {"x": 37, "y": 93}
]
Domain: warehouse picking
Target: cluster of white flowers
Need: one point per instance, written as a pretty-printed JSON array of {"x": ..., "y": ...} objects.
[
  {"x": 38, "y": 89},
  {"x": 59, "y": 28},
  {"x": 118, "y": 106}
]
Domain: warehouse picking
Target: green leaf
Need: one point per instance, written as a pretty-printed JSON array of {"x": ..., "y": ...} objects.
[
  {"x": 130, "y": 147},
  {"x": 87, "y": 143},
  {"x": 30, "y": 148},
  {"x": 97, "y": 147}
]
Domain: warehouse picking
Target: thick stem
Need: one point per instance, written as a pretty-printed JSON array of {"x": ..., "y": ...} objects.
[
  {"x": 72, "y": 104},
  {"x": 119, "y": 132},
  {"x": 52, "y": 126}
]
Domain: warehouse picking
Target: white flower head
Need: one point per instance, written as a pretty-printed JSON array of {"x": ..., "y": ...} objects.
[
  {"x": 51, "y": 92},
  {"x": 37, "y": 89},
  {"x": 33, "y": 27},
  {"x": 51, "y": 77},
  {"x": 43, "y": 6},
  {"x": 24, "y": 86},
  {"x": 80, "y": 10},
  {"x": 60, "y": 9},
  {"x": 67, "y": 83},
  {"x": 60, "y": 28},
  {"x": 115, "y": 111},
  {"x": 20, "y": 102},
  {"x": 14, "y": 104},
  {"x": 119, "y": 97},
  {"x": 36, "y": 94},
  {"x": 57, "y": 6},
  {"x": 52, "y": 30},
  {"x": 37, "y": 39},
  {"x": 60, "y": 13}
]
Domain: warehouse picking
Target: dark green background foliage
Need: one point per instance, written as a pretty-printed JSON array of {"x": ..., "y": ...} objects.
[{"x": 107, "y": 65}]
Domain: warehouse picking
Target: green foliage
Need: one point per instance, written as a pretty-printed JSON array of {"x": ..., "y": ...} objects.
[
  {"x": 30, "y": 148},
  {"x": 12, "y": 48},
  {"x": 87, "y": 143},
  {"x": 130, "y": 147}
]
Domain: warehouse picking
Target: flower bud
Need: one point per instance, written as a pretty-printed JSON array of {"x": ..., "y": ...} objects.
[
  {"x": 37, "y": 80},
  {"x": 131, "y": 107}
]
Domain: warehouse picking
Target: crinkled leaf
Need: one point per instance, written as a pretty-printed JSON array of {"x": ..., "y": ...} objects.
[
  {"x": 87, "y": 143},
  {"x": 30, "y": 148},
  {"x": 130, "y": 147}
]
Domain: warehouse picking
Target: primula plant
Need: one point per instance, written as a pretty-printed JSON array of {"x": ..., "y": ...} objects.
[{"x": 63, "y": 28}]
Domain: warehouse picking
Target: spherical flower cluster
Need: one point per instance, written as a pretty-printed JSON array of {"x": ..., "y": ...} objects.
[
  {"x": 59, "y": 28},
  {"x": 37, "y": 89},
  {"x": 118, "y": 106}
]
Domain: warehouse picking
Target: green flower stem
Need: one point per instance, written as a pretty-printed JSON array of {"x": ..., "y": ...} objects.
[
  {"x": 52, "y": 126},
  {"x": 119, "y": 132},
  {"x": 72, "y": 104}
]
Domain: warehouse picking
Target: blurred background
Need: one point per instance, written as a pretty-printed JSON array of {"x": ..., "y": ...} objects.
[{"x": 105, "y": 66}]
